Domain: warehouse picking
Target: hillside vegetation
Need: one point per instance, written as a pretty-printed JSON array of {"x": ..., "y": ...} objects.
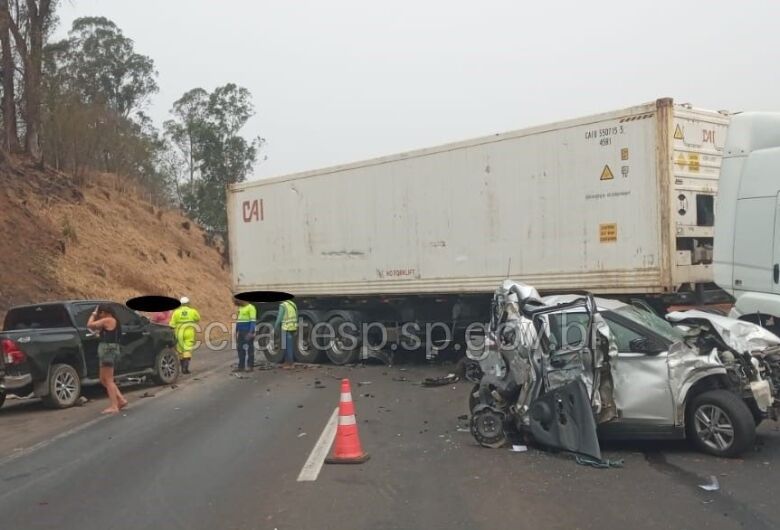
[{"x": 98, "y": 238}]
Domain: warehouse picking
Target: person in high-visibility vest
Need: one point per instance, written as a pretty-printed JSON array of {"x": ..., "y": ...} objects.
[
  {"x": 287, "y": 319},
  {"x": 184, "y": 321},
  {"x": 246, "y": 319}
]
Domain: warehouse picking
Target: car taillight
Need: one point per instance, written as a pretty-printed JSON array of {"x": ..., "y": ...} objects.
[{"x": 11, "y": 352}]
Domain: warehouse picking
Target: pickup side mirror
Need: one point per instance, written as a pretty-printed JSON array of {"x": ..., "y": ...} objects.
[
  {"x": 144, "y": 320},
  {"x": 645, "y": 345}
]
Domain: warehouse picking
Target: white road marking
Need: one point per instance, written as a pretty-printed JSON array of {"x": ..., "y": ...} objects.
[{"x": 311, "y": 469}]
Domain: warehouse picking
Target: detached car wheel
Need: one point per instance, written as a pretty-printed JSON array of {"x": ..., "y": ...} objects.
[
  {"x": 167, "y": 367},
  {"x": 720, "y": 423},
  {"x": 487, "y": 427},
  {"x": 64, "y": 387}
]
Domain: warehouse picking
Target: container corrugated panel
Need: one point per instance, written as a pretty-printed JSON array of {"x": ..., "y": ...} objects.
[{"x": 572, "y": 205}]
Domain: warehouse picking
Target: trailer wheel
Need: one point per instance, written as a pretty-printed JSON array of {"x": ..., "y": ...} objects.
[
  {"x": 344, "y": 348},
  {"x": 269, "y": 342},
  {"x": 307, "y": 351}
]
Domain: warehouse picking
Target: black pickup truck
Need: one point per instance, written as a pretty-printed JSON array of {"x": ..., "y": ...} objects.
[{"x": 48, "y": 350}]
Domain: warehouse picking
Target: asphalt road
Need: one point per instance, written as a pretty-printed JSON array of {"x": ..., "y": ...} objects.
[{"x": 225, "y": 453}]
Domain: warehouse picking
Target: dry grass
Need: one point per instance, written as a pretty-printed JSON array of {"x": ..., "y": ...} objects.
[{"x": 101, "y": 240}]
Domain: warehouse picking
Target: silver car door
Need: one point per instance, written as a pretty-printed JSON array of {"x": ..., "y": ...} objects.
[{"x": 641, "y": 377}]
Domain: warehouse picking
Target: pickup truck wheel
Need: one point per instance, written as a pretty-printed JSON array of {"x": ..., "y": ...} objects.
[
  {"x": 64, "y": 387},
  {"x": 342, "y": 349},
  {"x": 166, "y": 367},
  {"x": 720, "y": 423},
  {"x": 2, "y": 398}
]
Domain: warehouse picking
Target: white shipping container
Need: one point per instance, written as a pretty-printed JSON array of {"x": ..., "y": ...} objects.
[{"x": 620, "y": 202}]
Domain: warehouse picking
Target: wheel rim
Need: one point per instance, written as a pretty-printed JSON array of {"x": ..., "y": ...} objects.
[
  {"x": 64, "y": 386},
  {"x": 168, "y": 366},
  {"x": 487, "y": 427},
  {"x": 337, "y": 343},
  {"x": 714, "y": 427},
  {"x": 304, "y": 338}
]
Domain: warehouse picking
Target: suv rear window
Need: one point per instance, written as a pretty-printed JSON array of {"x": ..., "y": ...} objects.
[{"x": 37, "y": 317}]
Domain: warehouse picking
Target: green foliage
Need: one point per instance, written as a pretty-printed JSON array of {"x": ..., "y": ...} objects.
[
  {"x": 69, "y": 231},
  {"x": 94, "y": 88},
  {"x": 84, "y": 98},
  {"x": 98, "y": 62},
  {"x": 207, "y": 131}
]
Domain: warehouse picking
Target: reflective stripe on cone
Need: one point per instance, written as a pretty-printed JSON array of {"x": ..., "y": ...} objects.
[{"x": 347, "y": 448}]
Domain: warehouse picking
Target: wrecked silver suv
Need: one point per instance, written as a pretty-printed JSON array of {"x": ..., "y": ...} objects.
[{"x": 572, "y": 368}]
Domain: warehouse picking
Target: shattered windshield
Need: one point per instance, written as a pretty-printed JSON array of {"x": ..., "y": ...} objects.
[{"x": 652, "y": 321}]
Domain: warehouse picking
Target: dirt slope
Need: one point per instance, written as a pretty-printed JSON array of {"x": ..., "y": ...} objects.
[{"x": 60, "y": 240}]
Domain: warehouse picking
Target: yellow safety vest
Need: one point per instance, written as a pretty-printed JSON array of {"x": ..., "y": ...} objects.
[{"x": 290, "y": 321}]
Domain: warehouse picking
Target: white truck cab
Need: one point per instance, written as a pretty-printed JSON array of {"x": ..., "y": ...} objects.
[{"x": 747, "y": 223}]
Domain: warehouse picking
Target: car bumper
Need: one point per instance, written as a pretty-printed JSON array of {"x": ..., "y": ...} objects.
[{"x": 14, "y": 382}]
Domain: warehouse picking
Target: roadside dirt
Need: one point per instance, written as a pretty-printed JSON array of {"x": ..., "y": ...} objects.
[{"x": 60, "y": 239}]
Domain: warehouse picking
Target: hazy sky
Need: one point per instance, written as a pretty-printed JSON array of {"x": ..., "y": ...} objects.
[{"x": 342, "y": 80}]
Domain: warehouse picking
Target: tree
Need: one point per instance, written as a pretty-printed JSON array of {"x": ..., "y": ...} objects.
[
  {"x": 96, "y": 86},
  {"x": 102, "y": 65},
  {"x": 10, "y": 127},
  {"x": 207, "y": 128},
  {"x": 185, "y": 130},
  {"x": 35, "y": 19}
]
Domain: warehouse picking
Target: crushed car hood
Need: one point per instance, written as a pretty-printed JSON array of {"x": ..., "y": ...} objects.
[{"x": 737, "y": 334}]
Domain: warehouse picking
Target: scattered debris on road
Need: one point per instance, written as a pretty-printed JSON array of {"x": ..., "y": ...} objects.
[
  {"x": 440, "y": 381},
  {"x": 147, "y": 395},
  {"x": 264, "y": 365},
  {"x": 519, "y": 449},
  {"x": 713, "y": 485}
]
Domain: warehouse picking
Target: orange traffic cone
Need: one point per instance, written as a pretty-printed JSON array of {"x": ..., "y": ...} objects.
[{"x": 347, "y": 449}]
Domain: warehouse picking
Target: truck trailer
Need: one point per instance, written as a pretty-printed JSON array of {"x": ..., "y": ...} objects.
[
  {"x": 747, "y": 232},
  {"x": 618, "y": 204}
]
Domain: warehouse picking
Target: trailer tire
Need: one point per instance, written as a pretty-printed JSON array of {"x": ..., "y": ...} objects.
[
  {"x": 342, "y": 350},
  {"x": 269, "y": 341},
  {"x": 307, "y": 352}
]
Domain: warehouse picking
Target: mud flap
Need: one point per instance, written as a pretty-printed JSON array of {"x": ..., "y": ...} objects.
[{"x": 563, "y": 419}]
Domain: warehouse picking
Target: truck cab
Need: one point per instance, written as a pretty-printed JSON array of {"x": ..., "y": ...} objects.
[{"x": 747, "y": 225}]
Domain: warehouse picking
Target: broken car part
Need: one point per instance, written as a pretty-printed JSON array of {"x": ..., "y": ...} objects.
[{"x": 642, "y": 377}]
